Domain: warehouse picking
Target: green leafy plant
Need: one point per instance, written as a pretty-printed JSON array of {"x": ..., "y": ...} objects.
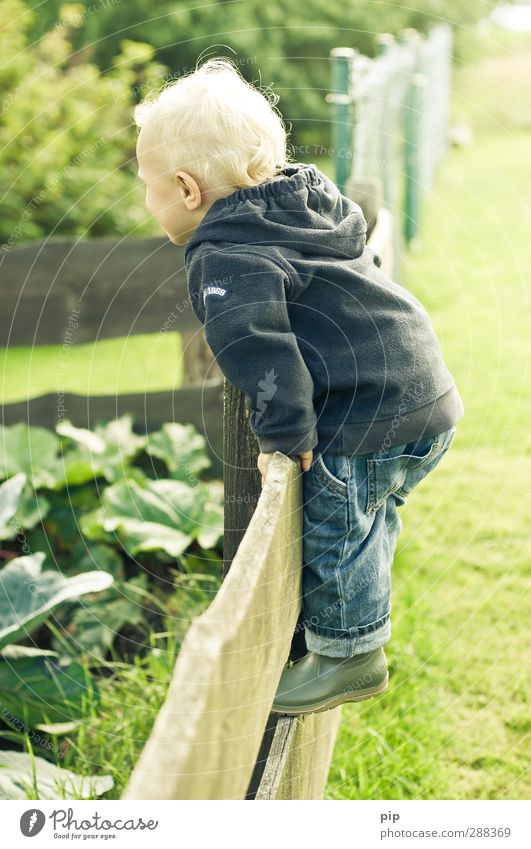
[
  {"x": 107, "y": 450},
  {"x": 35, "y": 686},
  {"x": 28, "y": 595},
  {"x": 39, "y": 688},
  {"x": 163, "y": 515},
  {"x": 181, "y": 448},
  {"x": 32, "y": 451},
  {"x": 119, "y": 518},
  {"x": 135, "y": 513},
  {"x": 65, "y": 133}
]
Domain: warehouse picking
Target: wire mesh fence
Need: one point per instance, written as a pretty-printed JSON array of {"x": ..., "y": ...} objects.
[{"x": 390, "y": 118}]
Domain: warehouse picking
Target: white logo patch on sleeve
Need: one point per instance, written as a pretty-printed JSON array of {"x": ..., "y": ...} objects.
[{"x": 218, "y": 289}]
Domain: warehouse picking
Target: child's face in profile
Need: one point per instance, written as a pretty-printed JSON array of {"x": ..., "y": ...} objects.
[{"x": 174, "y": 200}]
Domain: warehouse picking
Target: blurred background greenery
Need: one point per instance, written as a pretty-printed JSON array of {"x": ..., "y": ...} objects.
[{"x": 71, "y": 74}]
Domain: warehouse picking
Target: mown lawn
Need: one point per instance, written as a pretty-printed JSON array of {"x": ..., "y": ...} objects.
[
  {"x": 144, "y": 363},
  {"x": 455, "y": 722}
]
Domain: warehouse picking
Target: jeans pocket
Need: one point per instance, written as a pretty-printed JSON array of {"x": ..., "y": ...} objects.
[
  {"x": 333, "y": 472},
  {"x": 404, "y": 468}
]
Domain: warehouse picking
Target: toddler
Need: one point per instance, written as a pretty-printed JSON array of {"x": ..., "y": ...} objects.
[{"x": 340, "y": 365}]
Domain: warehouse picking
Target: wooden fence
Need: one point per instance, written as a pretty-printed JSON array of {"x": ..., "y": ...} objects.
[{"x": 70, "y": 292}]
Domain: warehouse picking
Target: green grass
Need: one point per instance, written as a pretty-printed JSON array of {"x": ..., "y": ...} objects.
[
  {"x": 113, "y": 734},
  {"x": 455, "y": 722},
  {"x": 144, "y": 363}
]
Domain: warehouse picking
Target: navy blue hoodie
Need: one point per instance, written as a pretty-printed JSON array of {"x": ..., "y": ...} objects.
[{"x": 329, "y": 352}]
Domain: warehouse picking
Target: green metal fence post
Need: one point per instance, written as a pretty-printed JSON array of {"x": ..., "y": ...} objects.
[
  {"x": 412, "y": 154},
  {"x": 384, "y": 42},
  {"x": 385, "y": 45},
  {"x": 340, "y": 98},
  {"x": 412, "y": 139}
]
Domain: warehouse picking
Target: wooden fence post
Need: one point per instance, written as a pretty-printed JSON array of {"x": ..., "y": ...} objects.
[
  {"x": 242, "y": 487},
  {"x": 198, "y": 360},
  {"x": 241, "y": 478}
]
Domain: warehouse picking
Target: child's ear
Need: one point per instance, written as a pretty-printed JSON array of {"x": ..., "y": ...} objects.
[{"x": 188, "y": 189}]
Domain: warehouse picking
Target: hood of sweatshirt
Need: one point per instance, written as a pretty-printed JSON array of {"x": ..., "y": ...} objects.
[{"x": 300, "y": 209}]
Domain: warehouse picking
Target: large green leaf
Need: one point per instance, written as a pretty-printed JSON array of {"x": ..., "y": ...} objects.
[
  {"x": 86, "y": 556},
  {"x": 27, "y": 595},
  {"x": 163, "y": 515},
  {"x": 108, "y": 449},
  {"x": 32, "y": 450},
  {"x": 78, "y": 468},
  {"x": 20, "y": 506},
  {"x": 213, "y": 517},
  {"x": 53, "y": 782},
  {"x": 182, "y": 448},
  {"x": 211, "y": 530},
  {"x": 160, "y": 515},
  {"x": 10, "y": 492},
  {"x": 94, "y": 626},
  {"x": 36, "y": 687},
  {"x": 62, "y": 520}
]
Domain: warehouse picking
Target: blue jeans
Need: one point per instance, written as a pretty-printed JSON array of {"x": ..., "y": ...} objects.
[{"x": 351, "y": 526}]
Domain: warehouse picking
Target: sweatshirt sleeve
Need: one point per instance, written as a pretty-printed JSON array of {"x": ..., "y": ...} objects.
[{"x": 243, "y": 304}]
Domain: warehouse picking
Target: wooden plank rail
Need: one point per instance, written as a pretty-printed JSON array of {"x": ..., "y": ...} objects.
[
  {"x": 112, "y": 287},
  {"x": 381, "y": 241},
  {"x": 299, "y": 757},
  {"x": 206, "y": 738}
]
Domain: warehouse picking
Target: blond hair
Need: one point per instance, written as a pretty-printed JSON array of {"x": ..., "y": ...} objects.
[{"x": 218, "y": 126}]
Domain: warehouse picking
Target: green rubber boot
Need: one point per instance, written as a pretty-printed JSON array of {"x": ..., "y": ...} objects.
[{"x": 316, "y": 682}]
